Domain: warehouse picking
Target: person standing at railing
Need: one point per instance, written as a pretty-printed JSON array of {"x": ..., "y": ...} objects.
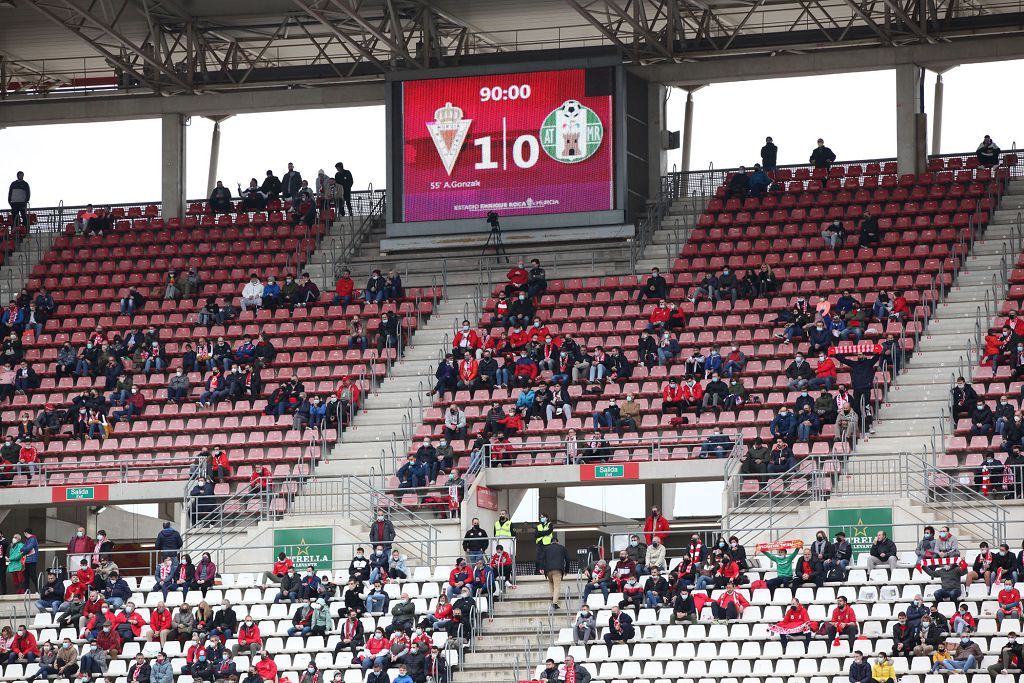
[
  {"x": 475, "y": 542},
  {"x": 18, "y": 195},
  {"x": 343, "y": 177},
  {"x": 769, "y": 155},
  {"x": 822, "y": 156},
  {"x": 987, "y": 153}
]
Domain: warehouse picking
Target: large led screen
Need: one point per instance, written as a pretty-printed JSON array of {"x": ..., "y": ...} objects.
[{"x": 518, "y": 144}]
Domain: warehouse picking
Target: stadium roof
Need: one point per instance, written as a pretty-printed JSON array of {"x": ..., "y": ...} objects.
[{"x": 197, "y": 46}]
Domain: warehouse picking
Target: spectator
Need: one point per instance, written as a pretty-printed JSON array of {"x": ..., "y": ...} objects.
[
  {"x": 220, "y": 199},
  {"x": 870, "y": 231},
  {"x": 382, "y": 531},
  {"x": 738, "y": 184},
  {"x": 654, "y": 558},
  {"x": 1009, "y": 604},
  {"x": 795, "y": 621},
  {"x": 159, "y": 623},
  {"x": 967, "y": 655},
  {"x": 760, "y": 181},
  {"x": 928, "y": 637},
  {"x": 655, "y": 524},
  {"x": 834, "y": 234},
  {"x": 783, "y": 568},
  {"x": 882, "y": 670},
  {"x": 822, "y": 156},
  {"x": 585, "y": 628},
  {"x": 620, "y": 628},
  {"x": 769, "y": 154},
  {"x": 1011, "y": 656},
  {"x": 780, "y": 458},
  {"x": 842, "y": 554},
  {"x": 808, "y": 570},
  {"x": 343, "y": 178},
  {"x": 883, "y": 551},
  {"x": 80, "y": 547},
  {"x": 962, "y": 621},
  {"x": 843, "y": 623},
  {"x": 988, "y": 153},
  {"x": 729, "y": 605},
  {"x": 18, "y": 195},
  {"x": 571, "y": 672},
  {"x": 291, "y": 183},
  {"x": 754, "y": 462},
  {"x": 178, "y": 387},
  {"x": 475, "y": 542},
  {"x": 655, "y": 287}
]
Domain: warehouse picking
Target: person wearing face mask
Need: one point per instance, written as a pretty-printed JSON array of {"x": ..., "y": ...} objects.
[
  {"x": 359, "y": 567},
  {"x": 183, "y": 623},
  {"x": 860, "y": 669},
  {"x": 109, "y": 641},
  {"x": 24, "y": 648},
  {"x": 927, "y": 637},
  {"x": 79, "y": 547},
  {"x": 820, "y": 339},
  {"x": 225, "y": 622},
  {"x": 250, "y": 640},
  {"x": 205, "y": 574},
  {"x": 178, "y": 387},
  {"x": 967, "y": 655},
  {"x": 916, "y": 611},
  {"x": 1011, "y": 655},
  {"x": 799, "y": 373},
  {"x": 65, "y": 664},
  {"x": 382, "y": 532},
  {"x": 1009, "y": 604},
  {"x": 925, "y": 549},
  {"x": 475, "y": 542},
  {"x": 521, "y": 311},
  {"x": 128, "y": 623},
  {"x": 882, "y": 670},
  {"x": 965, "y": 398},
  {"x": 655, "y": 287},
  {"x": 598, "y": 578}
]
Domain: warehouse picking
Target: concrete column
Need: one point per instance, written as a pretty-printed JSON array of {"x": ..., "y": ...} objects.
[
  {"x": 911, "y": 121},
  {"x": 937, "y": 113},
  {"x": 687, "y": 139},
  {"x": 211, "y": 179},
  {"x": 172, "y": 165}
]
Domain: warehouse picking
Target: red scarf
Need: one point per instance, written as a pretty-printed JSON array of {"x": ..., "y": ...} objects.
[
  {"x": 570, "y": 673},
  {"x": 615, "y": 623},
  {"x": 695, "y": 549},
  {"x": 182, "y": 572},
  {"x": 936, "y": 561},
  {"x": 986, "y": 481},
  {"x": 453, "y": 496},
  {"x": 350, "y": 629},
  {"x": 135, "y": 675}
]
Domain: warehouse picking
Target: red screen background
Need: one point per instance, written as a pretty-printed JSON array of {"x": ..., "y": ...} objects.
[{"x": 549, "y": 186}]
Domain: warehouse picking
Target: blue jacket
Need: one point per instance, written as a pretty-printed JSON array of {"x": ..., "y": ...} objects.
[
  {"x": 413, "y": 472},
  {"x": 272, "y": 289},
  {"x": 783, "y": 425},
  {"x": 30, "y": 549},
  {"x": 118, "y": 589},
  {"x": 245, "y": 353},
  {"x": 525, "y": 399},
  {"x": 713, "y": 363},
  {"x": 168, "y": 539},
  {"x": 446, "y": 373}
]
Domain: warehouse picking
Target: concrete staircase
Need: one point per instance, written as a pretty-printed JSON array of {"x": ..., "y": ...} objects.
[
  {"x": 19, "y": 264},
  {"x": 521, "y": 627},
  {"x": 921, "y": 393}
]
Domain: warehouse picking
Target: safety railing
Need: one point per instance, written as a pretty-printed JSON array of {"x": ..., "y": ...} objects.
[
  {"x": 773, "y": 507},
  {"x": 704, "y": 183},
  {"x": 353, "y": 496},
  {"x": 608, "y": 450}
]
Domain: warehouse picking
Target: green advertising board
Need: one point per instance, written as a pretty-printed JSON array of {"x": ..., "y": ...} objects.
[
  {"x": 860, "y": 526},
  {"x": 310, "y": 546}
]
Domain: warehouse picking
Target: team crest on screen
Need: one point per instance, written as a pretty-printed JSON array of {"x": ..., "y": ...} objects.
[
  {"x": 448, "y": 131},
  {"x": 571, "y": 133}
]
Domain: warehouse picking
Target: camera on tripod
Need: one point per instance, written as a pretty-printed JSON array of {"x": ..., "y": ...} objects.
[{"x": 492, "y": 220}]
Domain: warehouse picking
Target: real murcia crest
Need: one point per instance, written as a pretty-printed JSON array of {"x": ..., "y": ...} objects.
[{"x": 448, "y": 131}]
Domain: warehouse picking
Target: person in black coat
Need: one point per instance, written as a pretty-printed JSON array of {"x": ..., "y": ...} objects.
[
  {"x": 387, "y": 332},
  {"x": 870, "y": 231},
  {"x": 291, "y": 182},
  {"x": 447, "y": 377},
  {"x": 738, "y": 185},
  {"x": 220, "y": 199},
  {"x": 655, "y": 288},
  {"x": 769, "y": 155},
  {"x": 620, "y": 628},
  {"x": 271, "y": 186},
  {"x": 822, "y": 156},
  {"x": 343, "y": 178},
  {"x": 965, "y": 399},
  {"x": 808, "y": 570}
]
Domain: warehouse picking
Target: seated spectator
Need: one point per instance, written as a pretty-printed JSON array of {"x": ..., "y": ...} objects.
[
  {"x": 882, "y": 670},
  {"x": 759, "y": 182},
  {"x": 220, "y": 199},
  {"x": 842, "y": 554},
  {"x": 729, "y": 605},
  {"x": 807, "y": 424},
  {"x": 984, "y": 567},
  {"x": 132, "y": 302},
  {"x": 870, "y": 232},
  {"x": 988, "y": 152},
  {"x": 783, "y": 567},
  {"x": 808, "y": 570},
  {"x": 620, "y": 628},
  {"x": 783, "y": 425},
  {"x": 585, "y": 628},
  {"x": 967, "y": 656},
  {"x": 1011, "y": 656},
  {"x": 834, "y": 234},
  {"x": 795, "y": 621},
  {"x": 655, "y": 287},
  {"x": 754, "y": 462},
  {"x": 860, "y": 670},
  {"x": 928, "y": 635},
  {"x": 738, "y": 184},
  {"x": 253, "y": 198},
  {"x": 883, "y": 551}
]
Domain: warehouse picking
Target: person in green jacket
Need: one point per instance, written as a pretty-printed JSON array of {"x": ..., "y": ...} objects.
[
  {"x": 15, "y": 565},
  {"x": 783, "y": 568}
]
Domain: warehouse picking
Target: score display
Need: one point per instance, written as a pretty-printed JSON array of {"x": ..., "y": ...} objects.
[{"x": 519, "y": 144}]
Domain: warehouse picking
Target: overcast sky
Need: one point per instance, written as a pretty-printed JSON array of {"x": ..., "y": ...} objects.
[{"x": 855, "y": 113}]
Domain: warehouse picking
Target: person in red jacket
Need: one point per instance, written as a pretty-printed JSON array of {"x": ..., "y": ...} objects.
[
  {"x": 469, "y": 371},
  {"x": 281, "y": 567},
  {"x": 1009, "y": 601},
  {"x": 513, "y": 422},
  {"x": 659, "y": 316},
  {"x": 693, "y": 393},
  {"x": 250, "y": 641},
  {"x": 525, "y": 370},
  {"x": 672, "y": 398},
  {"x": 519, "y": 337},
  {"x": 220, "y": 467},
  {"x": 825, "y": 374},
  {"x": 159, "y": 623},
  {"x": 23, "y": 648},
  {"x": 517, "y": 278},
  {"x": 466, "y": 339},
  {"x": 501, "y": 563},
  {"x": 844, "y": 623},
  {"x": 632, "y": 594},
  {"x": 655, "y": 524},
  {"x": 266, "y": 667},
  {"x": 730, "y": 604},
  {"x": 461, "y": 576},
  {"x": 128, "y": 623},
  {"x": 343, "y": 288}
]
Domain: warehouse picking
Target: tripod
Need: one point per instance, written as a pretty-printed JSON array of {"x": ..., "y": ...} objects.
[{"x": 494, "y": 240}]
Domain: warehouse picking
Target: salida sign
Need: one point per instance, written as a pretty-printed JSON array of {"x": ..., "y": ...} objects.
[
  {"x": 518, "y": 144},
  {"x": 626, "y": 470},
  {"x": 310, "y": 546}
]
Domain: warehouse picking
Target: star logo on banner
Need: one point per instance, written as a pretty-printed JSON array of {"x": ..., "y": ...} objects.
[
  {"x": 860, "y": 529},
  {"x": 302, "y": 549}
]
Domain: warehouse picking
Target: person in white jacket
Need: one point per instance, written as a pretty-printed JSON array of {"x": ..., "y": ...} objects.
[{"x": 252, "y": 293}]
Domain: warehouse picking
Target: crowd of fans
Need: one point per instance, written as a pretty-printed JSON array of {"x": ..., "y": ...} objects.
[{"x": 641, "y": 578}]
